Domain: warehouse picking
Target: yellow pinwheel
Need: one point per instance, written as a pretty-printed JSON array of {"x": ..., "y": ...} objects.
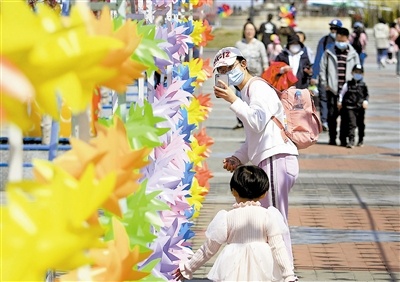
[
  {"x": 45, "y": 224},
  {"x": 57, "y": 59}
]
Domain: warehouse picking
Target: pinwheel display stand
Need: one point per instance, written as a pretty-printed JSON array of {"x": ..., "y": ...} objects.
[{"x": 128, "y": 195}]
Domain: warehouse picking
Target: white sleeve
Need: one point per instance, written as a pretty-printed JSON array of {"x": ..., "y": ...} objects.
[
  {"x": 217, "y": 230},
  {"x": 217, "y": 234},
  {"x": 342, "y": 92},
  {"x": 206, "y": 251},
  {"x": 281, "y": 257}
]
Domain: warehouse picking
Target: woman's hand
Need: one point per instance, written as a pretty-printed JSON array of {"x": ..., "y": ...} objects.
[
  {"x": 225, "y": 92},
  {"x": 178, "y": 275},
  {"x": 231, "y": 163}
]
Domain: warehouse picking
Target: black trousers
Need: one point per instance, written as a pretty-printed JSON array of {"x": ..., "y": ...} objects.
[
  {"x": 353, "y": 118},
  {"x": 333, "y": 114}
]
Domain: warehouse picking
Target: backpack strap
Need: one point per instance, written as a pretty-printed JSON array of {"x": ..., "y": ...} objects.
[{"x": 273, "y": 118}]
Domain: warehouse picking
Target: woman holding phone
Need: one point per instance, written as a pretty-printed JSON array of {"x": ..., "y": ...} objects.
[
  {"x": 255, "y": 53},
  {"x": 264, "y": 145}
]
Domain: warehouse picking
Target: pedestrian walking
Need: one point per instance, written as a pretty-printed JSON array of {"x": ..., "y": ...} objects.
[
  {"x": 296, "y": 58},
  {"x": 324, "y": 43},
  {"x": 310, "y": 52},
  {"x": 267, "y": 29},
  {"x": 274, "y": 48},
  {"x": 381, "y": 33},
  {"x": 393, "y": 48},
  {"x": 359, "y": 39},
  {"x": 264, "y": 145},
  {"x": 252, "y": 234},
  {"x": 352, "y": 103},
  {"x": 336, "y": 68}
]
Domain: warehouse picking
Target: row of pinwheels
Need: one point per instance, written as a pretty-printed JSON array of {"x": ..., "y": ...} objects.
[{"x": 119, "y": 207}]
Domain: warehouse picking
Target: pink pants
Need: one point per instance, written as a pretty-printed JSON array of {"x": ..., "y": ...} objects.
[{"x": 282, "y": 171}]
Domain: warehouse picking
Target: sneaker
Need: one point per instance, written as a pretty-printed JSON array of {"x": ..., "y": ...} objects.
[
  {"x": 350, "y": 145},
  {"x": 238, "y": 126},
  {"x": 325, "y": 127},
  {"x": 383, "y": 63},
  {"x": 360, "y": 144}
]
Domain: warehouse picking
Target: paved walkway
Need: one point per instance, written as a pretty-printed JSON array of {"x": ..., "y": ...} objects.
[{"x": 344, "y": 209}]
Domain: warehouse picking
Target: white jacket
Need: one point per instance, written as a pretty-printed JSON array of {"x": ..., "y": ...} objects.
[
  {"x": 381, "y": 33},
  {"x": 263, "y": 136}
]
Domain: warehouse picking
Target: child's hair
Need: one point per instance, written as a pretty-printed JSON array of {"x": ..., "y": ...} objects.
[{"x": 249, "y": 181}]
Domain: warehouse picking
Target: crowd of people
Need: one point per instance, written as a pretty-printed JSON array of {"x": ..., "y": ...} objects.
[{"x": 324, "y": 70}]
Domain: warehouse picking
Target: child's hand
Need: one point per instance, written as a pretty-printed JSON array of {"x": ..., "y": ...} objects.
[
  {"x": 178, "y": 275},
  {"x": 365, "y": 104}
]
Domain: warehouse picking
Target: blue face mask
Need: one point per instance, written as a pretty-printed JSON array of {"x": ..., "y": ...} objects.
[
  {"x": 358, "y": 76},
  {"x": 235, "y": 76},
  {"x": 341, "y": 45},
  {"x": 333, "y": 35}
]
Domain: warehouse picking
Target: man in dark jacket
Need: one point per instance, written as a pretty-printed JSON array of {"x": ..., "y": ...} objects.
[{"x": 335, "y": 69}]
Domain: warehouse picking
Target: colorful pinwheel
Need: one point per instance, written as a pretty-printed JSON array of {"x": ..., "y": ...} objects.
[{"x": 224, "y": 11}]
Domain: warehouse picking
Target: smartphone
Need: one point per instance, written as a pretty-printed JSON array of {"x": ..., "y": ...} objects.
[{"x": 223, "y": 77}]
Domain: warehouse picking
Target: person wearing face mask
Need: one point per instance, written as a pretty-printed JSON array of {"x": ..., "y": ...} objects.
[
  {"x": 296, "y": 57},
  {"x": 264, "y": 145},
  {"x": 352, "y": 103},
  {"x": 335, "y": 69},
  {"x": 255, "y": 52},
  {"x": 325, "y": 42}
]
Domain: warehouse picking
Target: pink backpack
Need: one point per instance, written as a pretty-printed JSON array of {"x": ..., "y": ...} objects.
[{"x": 302, "y": 122}]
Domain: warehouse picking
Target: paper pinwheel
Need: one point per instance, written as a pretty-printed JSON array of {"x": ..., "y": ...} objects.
[
  {"x": 287, "y": 15},
  {"x": 58, "y": 58},
  {"x": 120, "y": 59},
  {"x": 204, "y": 140},
  {"x": 116, "y": 263},
  {"x": 206, "y": 36},
  {"x": 167, "y": 247},
  {"x": 45, "y": 224},
  {"x": 200, "y": 3},
  {"x": 196, "y": 70},
  {"x": 142, "y": 216},
  {"x": 141, "y": 126},
  {"x": 196, "y": 112},
  {"x": 224, "y": 11},
  {"x": 196, "y": 198},
  {"x": 148, "y": 48},
  {"x": 203, "y": 175}
]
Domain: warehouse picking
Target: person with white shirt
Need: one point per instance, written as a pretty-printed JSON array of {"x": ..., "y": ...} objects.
[
  {"x": 264, "y": 144},
  {"x": 297, "y": 60}
]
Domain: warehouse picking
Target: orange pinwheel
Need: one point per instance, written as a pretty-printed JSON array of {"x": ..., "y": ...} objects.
[
  {"x": 109, "y": 151},
  {"x": 204, "y": 140},
  {"x": 203, "y": 175},
  {"x": 117, "y": 263},
  {"x": 206, "y": 36},
  {"x": 120, "y": 59}
]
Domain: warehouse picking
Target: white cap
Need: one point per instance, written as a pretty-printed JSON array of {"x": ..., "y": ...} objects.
[{"x": 226, "y": 57}]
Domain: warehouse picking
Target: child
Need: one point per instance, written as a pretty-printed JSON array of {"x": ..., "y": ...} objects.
[
  {"x": 353, "y": 100},
  {"x": 252, "y": 233}
]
